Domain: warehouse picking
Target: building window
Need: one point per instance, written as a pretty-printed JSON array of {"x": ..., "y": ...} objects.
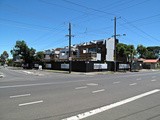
[
  {"x": 92, "y": 50},
  {"x": 74, "y": 53},
  {"x": 99, "y": 50},
  {"x": 84, "y": 51}
]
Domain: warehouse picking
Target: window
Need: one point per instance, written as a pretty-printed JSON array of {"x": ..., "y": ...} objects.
[
  {"x": 74, "y": 53},
  {"x": 92, "y": 50}
]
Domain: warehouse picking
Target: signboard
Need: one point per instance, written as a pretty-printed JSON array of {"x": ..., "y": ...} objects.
[
  {"x": 124, "y": 66},
  {"x": 100, "y": 66},
  {"x": 48, "y": 65},
  {"x": 64, "y": 66},
  {"x": 36, "y": 65}
]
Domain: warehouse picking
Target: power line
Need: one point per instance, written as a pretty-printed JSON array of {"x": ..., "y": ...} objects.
[
  {"x": 23, "y": 27},
  {"x": 146, "y": 18},
  {"x": 122, "y": 25},
  {"x": 2, "y": 19},
  {"x": 119, "y": 3},
  {"x": 141, "y": 30},
  {"x": 88, "y": 7},
  {"x": 58, "y": 42},
  {"x": 132, "y": 5},
  {"x": 91, "y": 13},
  {"x": 50, "y": 3},
  {"x": 42, "y": 36},
  {"x": 77, "y": 18}
]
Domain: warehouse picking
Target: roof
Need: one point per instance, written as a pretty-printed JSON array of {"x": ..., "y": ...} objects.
[
  {"x": 141, "y": 59},
  {"x": 151, "y": 61},
  {"x": 58, "y": 49}
]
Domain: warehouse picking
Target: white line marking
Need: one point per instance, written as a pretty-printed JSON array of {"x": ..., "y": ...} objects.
[
  {"x": 98, "y": 91},
  {"x": 39, "y": 84},
  {"x": 28, "y": 72},
  {"x": 16, "y": 96},
  {"x": 108, "y": 107},
  {"x": 133, "y": 84},
  {"x": 30, "y": 103},
  {"x": 92, "y": 84},
  {"x": 138, "y": 79},
  {"x": 81, "y": 87},
  {"x": 116, "y": 82},
  {"x": 154, "y": 80}
]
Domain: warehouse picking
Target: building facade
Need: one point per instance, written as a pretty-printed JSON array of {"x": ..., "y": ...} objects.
[{"x": 95, "y": 50}]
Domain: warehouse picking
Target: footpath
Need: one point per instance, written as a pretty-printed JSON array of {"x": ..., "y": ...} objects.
[{"x": 47, "y": 71}]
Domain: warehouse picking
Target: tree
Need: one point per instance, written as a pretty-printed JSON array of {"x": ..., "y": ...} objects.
[
  {"x": 148, "y": 52},
  {"x": 125, "y": 52},
  {"x": 4, "y": 56},
  {"x": 142, "y": 51},
  {"x": 22, "y": 51},
  {"x": 121, "y": 49},
  {"x": 130, "y": 52},
  {"x": 10, "y": 62},
  {"x": 150, "y": 55},
  {"x": 153, "y": 52},
  {"x": 39, "y": 56}
]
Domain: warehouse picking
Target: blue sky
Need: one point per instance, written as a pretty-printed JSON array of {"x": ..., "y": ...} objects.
[{"x": 43, "y": 24}]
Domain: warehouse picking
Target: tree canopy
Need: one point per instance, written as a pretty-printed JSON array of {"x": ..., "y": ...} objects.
[
  {"x": 4, "y": 56},
  {"x": 148, "y": 52},
  {"x": 125, "y": 52},
  {"x": 22, "y": 51},
  {"x": 39, "y": 56}
]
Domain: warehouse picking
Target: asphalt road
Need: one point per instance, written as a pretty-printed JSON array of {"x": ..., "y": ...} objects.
[{"x": 41, "y": 95}]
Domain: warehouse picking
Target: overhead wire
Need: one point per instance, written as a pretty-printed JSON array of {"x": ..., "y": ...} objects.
[
  {"x": 92, "y": 9},
  {"x": 96, "y": 10},
  {"x": 145, "y": 18},
  {"x": 150, "y": 36},
  {"x": 119, "y": 10},
  {"x": 112, "y": 14}
]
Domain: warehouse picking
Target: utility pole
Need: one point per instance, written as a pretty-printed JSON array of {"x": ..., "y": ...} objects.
[
  {"x": 115, "y": 34},
  {"x": 115, "y": 64},
  {"x": 69, "y": 57}
]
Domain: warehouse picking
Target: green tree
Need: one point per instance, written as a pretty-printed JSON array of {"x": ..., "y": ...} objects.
[
  {"x": 142, "y": 51},
  {"x": 150, "y": 55},
  {"x": 125, "y": 52},
  {"x": 130, "y": 52},
  {"x": 148, "y": 52},
  {"x": 121, "y": 49},
  {"x": 39, "y": 56},
  {"x": 4, "y": 56},
  {"x": 10, "y": 62},
  {"x": 153, "y": 52},
  {"x": 22, "y": 51}
]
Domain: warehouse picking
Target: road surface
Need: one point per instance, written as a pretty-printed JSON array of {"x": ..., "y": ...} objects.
[{"x": 40, "y": 95}]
